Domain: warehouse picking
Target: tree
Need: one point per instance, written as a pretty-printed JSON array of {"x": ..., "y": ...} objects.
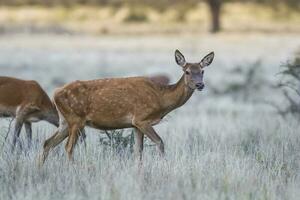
[{"x": 215, "y": 10}]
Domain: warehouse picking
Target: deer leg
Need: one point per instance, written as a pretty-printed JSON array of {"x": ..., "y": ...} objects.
[
  {"x": 139, "y": 143},
  {"x": 21, "y": 114},
  {"x": 16, "y": 136},
  {"x": 28, "y": 129},
  {"x": 150, "y": 132},
  {"x": 83, "y": 137},
  {"x": 73, "y": 136},
  {"x": 52, "y": 142}
]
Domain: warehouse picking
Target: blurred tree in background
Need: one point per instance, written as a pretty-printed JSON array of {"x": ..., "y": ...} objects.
[
  {"x": 160, "y": 3},
  {"x": 215, "y": 10},
  {"x": 215, "y": 6}
]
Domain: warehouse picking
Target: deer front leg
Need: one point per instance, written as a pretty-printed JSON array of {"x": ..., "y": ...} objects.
[
  {"x": 139, "y": 143},
  {"x": 150, "y": 132},
  {"x": 28, "y": 130},
  {"x": 18, "y": 127}
]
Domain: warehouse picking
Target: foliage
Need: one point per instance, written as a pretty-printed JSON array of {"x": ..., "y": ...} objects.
[
  {"x": 162, "y": 4},
  {"x": 157, "y": 4},
  {"x": 290, "y": 84},
  {"x": 136, "y": 15},
  {"x": 243, "y": 89},
  {"x": 117, "y": 140}
]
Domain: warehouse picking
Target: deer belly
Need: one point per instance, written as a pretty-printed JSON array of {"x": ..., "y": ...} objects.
[
  {"x": 33, "y": 119},
  {"x": 7, "y": 112},
  {"x": 110, "y": 123}
]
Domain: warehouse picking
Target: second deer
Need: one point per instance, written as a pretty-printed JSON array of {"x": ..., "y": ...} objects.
[
  {"x": 117, "y": 103},
  {"x": 27, "y": 102},
  {"x": 160, "y": 79}
]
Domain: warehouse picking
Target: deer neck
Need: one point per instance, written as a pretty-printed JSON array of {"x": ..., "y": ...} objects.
[{"x": 176, "y": 95}]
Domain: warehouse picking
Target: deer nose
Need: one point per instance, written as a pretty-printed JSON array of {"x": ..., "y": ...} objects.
[{"x": 199, "y": 86}]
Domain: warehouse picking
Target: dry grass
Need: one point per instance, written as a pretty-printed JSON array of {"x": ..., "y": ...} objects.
[
  {"x": 217, "y": 146},
  {"x": 241, "y": 154}
]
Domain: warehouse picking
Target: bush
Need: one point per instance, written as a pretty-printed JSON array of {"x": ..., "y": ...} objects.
[
  {"x": 249, "y": 82},
  {"x": 290, "y": 85},
  {"x": 136, "y": 16}
]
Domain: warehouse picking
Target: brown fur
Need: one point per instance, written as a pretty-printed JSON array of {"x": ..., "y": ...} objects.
[{"x": 27, "y": 102}]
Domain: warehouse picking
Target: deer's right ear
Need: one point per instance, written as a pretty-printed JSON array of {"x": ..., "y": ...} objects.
[
  {"x": 207, "y": 60},
  {"x": 180, "y": 60}
]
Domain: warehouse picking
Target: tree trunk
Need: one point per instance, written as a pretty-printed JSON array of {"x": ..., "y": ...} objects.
[{"x": 215, "y": 10}]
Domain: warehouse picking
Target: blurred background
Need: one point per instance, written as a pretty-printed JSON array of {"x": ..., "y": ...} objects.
[
  {"x": 236, "y": 139},
  {"x": 147, "y": 16},
  {"x": 58, "y": 41}
]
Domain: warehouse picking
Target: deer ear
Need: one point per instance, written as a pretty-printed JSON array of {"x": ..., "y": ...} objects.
[
  {"x": 180, "y": 60},
  {"x": 207, "y": 60}
]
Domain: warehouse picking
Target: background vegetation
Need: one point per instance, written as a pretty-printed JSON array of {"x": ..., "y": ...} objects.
[
  {"x": 237, "y": 139},
  {"x": 130, "y": 16}
]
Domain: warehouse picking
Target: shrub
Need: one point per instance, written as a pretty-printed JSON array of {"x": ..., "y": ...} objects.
[{"x": 290, "y": 85}]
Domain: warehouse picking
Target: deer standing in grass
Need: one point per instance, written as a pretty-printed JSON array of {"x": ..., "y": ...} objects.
[
  {"x": 27, "y": 102},
  {"x": 117, "y": 103}
]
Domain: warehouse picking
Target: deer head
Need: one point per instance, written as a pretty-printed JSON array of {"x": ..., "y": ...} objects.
[{"x": 193, "y": 72}]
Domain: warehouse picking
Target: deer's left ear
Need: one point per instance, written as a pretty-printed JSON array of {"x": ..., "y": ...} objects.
[
  {"x": 180, "y": 60},
  {"x": 207, "y": 60}
]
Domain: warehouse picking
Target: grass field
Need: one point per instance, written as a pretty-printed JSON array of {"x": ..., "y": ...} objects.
[{"x": 218, "y": 146}]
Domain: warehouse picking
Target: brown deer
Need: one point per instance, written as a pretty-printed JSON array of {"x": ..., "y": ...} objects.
[
  {"x": 27, "y": 102},
  {"x": 117, "y": 103}
]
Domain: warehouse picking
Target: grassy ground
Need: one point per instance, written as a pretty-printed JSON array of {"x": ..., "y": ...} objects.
[
  {"x": 218, "y": 146},
  {"x": 242, "y": 155},
  {"x": 140, "y": 19}
]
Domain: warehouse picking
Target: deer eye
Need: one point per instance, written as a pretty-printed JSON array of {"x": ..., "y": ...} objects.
[
  {"x": 202, "y": 72},
  {"x": 187, "y": 72}
]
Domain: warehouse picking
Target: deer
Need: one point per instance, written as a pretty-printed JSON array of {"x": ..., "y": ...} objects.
[
  {"x": 117, "y": 103},
  {"x": 27, "y": 102}
]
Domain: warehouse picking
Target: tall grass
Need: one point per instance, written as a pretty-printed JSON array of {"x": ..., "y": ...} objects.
[{"x": 246, "y": 155}]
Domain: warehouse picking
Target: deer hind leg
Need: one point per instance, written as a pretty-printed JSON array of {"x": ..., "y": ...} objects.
[
  {"x": 28, "y": 129},
  {"x": 74, "y": 132},
  {"x": 21, "y": 114},
  {"x": 16, "y": 136},
  {"x": 150, "y": 132},
  {"x": 139, "y": 143},
  {"x": 60, "y": 134}
]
